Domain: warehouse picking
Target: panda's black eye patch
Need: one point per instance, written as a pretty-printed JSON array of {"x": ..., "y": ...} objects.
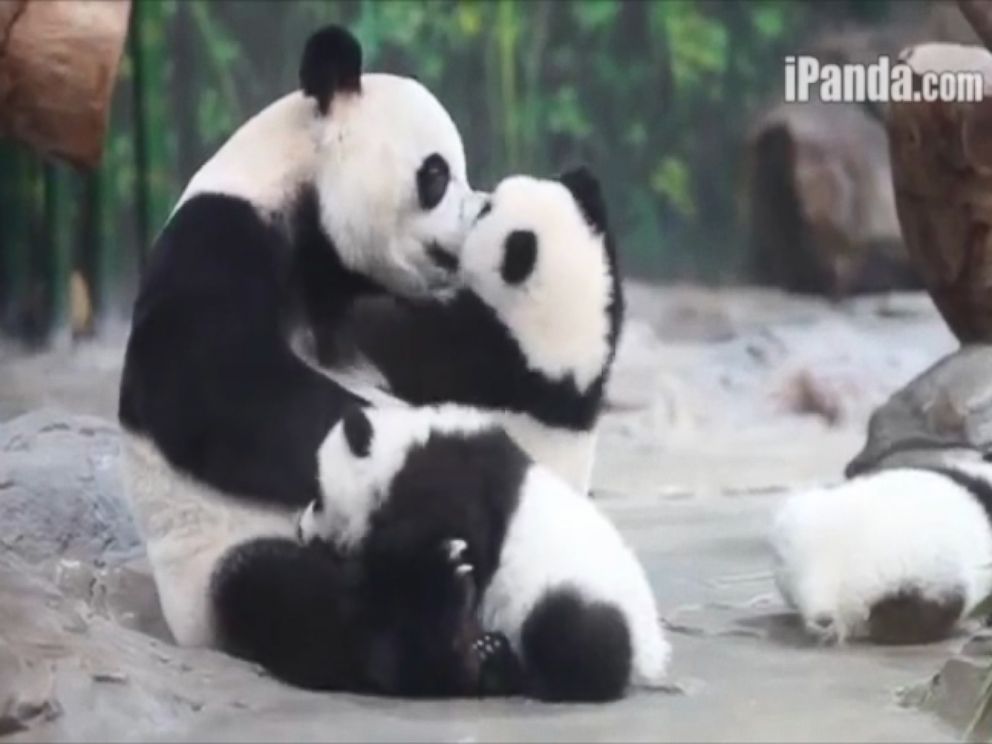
[
  {"x": 432, "y": 181},
  {"x": 358, "y": 432},
  {"x": 519, "y": 256}
]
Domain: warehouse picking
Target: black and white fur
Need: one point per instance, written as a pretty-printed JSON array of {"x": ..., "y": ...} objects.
[
  {"x": 897, "y": 556},
  {"x": 352, "y": 185},
  {"x": 530, "y": 334},
  {"x": 553, "y": 574}
]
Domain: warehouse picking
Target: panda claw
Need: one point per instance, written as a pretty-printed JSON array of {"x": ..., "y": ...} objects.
[
  {"x": 456, "y": 548},
  {"x": 463, "y": 569}
]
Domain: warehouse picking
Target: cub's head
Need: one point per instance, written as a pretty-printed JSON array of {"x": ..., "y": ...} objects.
[
  {"x": 361, "y": 459},
  {"x": 390, "y": 171},
  {"x": 541, "y": 256}
]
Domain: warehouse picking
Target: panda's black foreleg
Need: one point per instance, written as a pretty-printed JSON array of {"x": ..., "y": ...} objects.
[
  {"x": 296, "y": 610},
  {"x": 427, "y": 587}
]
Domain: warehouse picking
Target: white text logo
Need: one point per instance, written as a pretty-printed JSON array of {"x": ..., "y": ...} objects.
[{"x": 879, "y": 82}]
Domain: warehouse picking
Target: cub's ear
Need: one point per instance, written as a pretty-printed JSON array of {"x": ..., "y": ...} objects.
[
  {"x": 357, "y": 432},
  {"x": 584, "y": 187},
  {"x": 331, "y": 63}
]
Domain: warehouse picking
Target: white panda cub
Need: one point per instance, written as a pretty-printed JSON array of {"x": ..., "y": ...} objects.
[
  {"x": 897, "y": 556},
  {"x": 552, "y": 574},
  {"x": 531, "y": 333}
]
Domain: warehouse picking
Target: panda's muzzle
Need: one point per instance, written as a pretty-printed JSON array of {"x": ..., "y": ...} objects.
[{"x": 442, "y": 258}]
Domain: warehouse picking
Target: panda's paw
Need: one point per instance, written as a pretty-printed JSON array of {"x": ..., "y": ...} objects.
[
  {"x": 455, "y": 551},
  {"x": 460, "y": 573},
  {"x": 500, "y": 672},
  {"x": 825, "y": 629},
  {"x": 455, "y": 548},
  {"x": 491, "y": 646}
]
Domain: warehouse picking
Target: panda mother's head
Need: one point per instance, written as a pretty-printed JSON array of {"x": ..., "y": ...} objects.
[{"x": 390, "y": 173}]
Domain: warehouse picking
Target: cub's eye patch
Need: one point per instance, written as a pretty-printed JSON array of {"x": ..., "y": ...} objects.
[
  {"x": 432, "y": 181},
  {"x": 519, "y": 256},
  {"x": 358, "y": 432}
]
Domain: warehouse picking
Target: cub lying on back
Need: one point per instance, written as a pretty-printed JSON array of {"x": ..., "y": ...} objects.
[
  {"x": 530, "y": 335},
  {"x": 551, "y": 573}
]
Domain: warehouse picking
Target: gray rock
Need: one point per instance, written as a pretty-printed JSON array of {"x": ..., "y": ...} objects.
[
  {"x": 943, "y": 415},
  {"x": 60, "y": 489},
  {"x": 26, "y": 691},
  {"x": 956, "y": 691}
]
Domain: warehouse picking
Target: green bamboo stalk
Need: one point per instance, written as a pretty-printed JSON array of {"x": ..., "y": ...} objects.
[
  {"x": 58, "y": 226},
  {"x": 16, "y": 241},
  {"x": 533, "y": 150},
  {"x": 34, "y": 311},
  {"x": 142, "y": 199},
  {"x": 220, "y": 70},
  {"x": 152, "y": 130},
  {"x": 158, "y": 122},
  {"x": 506, "y": 34}
]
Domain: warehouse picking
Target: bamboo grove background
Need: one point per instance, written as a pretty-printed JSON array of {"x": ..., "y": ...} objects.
[{"x": 656, "y": 96}]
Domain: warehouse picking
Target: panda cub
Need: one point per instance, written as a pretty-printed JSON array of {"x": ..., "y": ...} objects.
[
  {"x": 897, "y": 556},
  {"x": 530, "y": 334},
  {"x": 553, "y": 575}
]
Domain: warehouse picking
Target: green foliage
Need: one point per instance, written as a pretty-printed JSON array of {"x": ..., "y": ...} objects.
[{"x": 656, "y": 96}]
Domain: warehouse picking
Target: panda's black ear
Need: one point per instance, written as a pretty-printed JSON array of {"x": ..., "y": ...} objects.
[
  {"x": 358, "y": 432},
  {"x": 585, "y": 189},
  {"x": 331, "y": 63},
  {"x": 519, "y": 256}
]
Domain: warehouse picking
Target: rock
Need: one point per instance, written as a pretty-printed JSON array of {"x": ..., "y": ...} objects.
[
  {"x": 122, "y": 592},
  {"x": 26, "y": 692},
  {"x": 942, "y": 415},
  {"x": 955, "y": 692},
  {"x": 822, "y": 211},
  {"x": 60, "y": 489},
  {"x": 806, "y": 392}
]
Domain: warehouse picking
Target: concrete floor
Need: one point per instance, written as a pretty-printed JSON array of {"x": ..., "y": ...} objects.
[{"x": 703, "y": 443}]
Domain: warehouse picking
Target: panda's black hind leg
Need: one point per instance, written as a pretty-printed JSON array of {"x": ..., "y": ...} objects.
[
  {"x": 294, "y": 609},
  {"x": 575, "y": 650}
]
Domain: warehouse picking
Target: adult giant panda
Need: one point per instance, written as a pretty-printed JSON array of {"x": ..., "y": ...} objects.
[
  {"x": 356, "y": 184},
  {"x": 896, "y": 556},
  {"x": 530, "y": 333},
  {"x": 553, "y": 575}
]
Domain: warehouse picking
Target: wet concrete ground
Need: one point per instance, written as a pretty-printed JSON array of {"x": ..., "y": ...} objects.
[{"x": 707, "y": 435}]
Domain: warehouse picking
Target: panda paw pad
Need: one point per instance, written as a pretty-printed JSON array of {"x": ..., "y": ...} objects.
[
  {"x": 499, "y": 670},
  {"x": 490, "y": 645}
]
